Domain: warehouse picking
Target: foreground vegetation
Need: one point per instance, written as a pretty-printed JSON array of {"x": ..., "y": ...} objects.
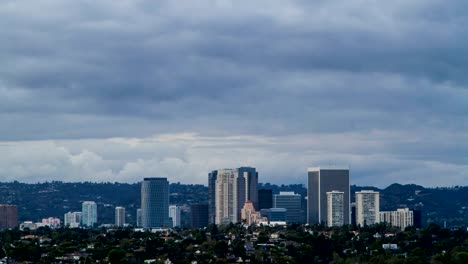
[{"x": 235, "y": 243}]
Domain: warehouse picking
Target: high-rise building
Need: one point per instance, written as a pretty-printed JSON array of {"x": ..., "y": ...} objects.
[
  {"x": 155, "y": 203},
  {"x": 88, "y": 213},
  {"x": 417, "y": 219},
  {"x": 119, "y": 216},
  {"x": 265, "y": 199},
  {"x": 230, "y": 196},
  {"x": 367, "y": 207},
  {"x": 199, "y": 215},
  {"x": 243, "y": 179},
  {"x": 72, "y": 219},
  {"x": 138, "y": 218},
  {"x": 251, "y": 181},
  {"x": 212, "y": 176},
  {"x": 174, "y": 214},
  {"x": 401, "y": 218},
  {"x": 8, "y": 216},
  {"x": 335, "y": 204},
  {"x": 320, "y": 181},
  {"x": 292, "y": 203}
]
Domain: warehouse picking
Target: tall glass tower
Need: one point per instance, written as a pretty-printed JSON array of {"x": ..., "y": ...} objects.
[
  {"x": 88, "y": 213},
  {"x": 155, "y": 203}
]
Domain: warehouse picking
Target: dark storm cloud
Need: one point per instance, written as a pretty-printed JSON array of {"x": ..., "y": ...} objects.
[{"x": 81, "y": 69}]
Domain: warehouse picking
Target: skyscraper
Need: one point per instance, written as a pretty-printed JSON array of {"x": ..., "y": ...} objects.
[
  {"x": 335, "y": 208},
  {"x": 251, "y": 181},
  {"x": 292, "y": 203},
  {"x": 119, "y": 216},
  {"x": 367, "y": 207},
  {"x": 155, "y": 203},
  {"x": 265, "y": 199},
  {"x": 230, "y": 196},
  {"x": 88, "y": 213},
  {"x": 174, "y": 214},
  {"x": 8, "y": 216},
  {"x": 212, "y": 176},
  {"x": 320, "y": 181},
  {"x": 199, "y": 215}
]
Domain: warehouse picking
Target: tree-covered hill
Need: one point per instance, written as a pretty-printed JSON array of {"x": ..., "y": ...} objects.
[{"x": 40, "y": 200}]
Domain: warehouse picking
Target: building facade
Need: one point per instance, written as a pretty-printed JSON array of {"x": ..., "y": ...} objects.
[
  {"x": 155, "y": 203},
  {"x": 321, "y": 180},
  {"x": 275, "y": 214},
  {"x": 265, "y": 199},
  {"x": 367, "y": 207},
  {"x": 250, "y": 216},
  {"x": 88, "y": 213},
  {"x": 174, "y": 214},
  {"x": 119, "y": 216},
  {"x": 199, "y": 213},
  {"x": 401, "y": 218},
  {"x": 292, "y": 203},
  {"x": 212, "y": 176},
  {"x": 8, "y": 216},
  {"x": 51, "y": 222},
  {"x": 138, "y": 218},
  {"x": 250, "y": 176},
  {"x": 335, "y": 204},
  {"x": 72, "y": 219},
  {"x": 230, "y": 196}
]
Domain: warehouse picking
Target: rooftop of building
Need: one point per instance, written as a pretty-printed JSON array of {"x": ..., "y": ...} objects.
[{"x": 328, "y": 167}]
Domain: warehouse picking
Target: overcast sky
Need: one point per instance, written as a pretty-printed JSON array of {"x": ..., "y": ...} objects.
[{"x": 121, "y": 90}]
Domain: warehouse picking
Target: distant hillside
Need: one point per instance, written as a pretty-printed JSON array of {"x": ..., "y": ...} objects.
[{"x": 36, "y": 201}]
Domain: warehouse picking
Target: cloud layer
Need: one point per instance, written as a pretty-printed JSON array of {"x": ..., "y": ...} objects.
[{"x": 89, "y": 89}]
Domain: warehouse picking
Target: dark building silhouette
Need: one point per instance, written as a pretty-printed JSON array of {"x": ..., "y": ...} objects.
[
  {"x": 199, "y": 215},
  {"x": 353, "y": 214},
  {"x": 251, "y": 182},
  {"x": 265, "y": 199},
  {"x": 320, "y": 181},
  {"x": 8, "y": 216},
  {"x": 417, "y": 219},
  {"x": 212, "y": 176},
  {"x": 275, "y": 214}
]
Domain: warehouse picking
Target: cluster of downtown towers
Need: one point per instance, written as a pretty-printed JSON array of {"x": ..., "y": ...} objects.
[{"x": 229, "y": 189}]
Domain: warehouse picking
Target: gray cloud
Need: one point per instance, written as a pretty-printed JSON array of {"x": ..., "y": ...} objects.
[{"x": 380, "y": 86}]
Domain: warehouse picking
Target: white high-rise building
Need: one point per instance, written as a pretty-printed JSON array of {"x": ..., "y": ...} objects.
[
  {"x": 88, "y": 213},
  {"x": 72, "y": 219},
  {"x": 367, "y": 207},
  {"x": 119, "y": 216},
  {"x": 230, "y": 196},
  {"x": 138, "y": 218},
  {"x": 401, "y": 218},
  {"x": 174, "y": 214},
  {"x": 335, "y": 211}
]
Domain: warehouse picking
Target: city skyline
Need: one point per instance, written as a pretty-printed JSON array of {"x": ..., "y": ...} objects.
[{"x": 114, "y": 91}]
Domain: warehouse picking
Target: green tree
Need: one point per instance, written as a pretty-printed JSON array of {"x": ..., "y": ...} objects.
[{"x": 116, "y": 255}]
